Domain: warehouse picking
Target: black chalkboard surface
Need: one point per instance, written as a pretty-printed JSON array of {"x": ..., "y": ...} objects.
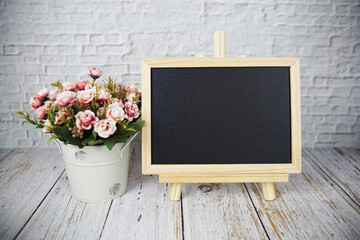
[{"x": 220, "y": 115}]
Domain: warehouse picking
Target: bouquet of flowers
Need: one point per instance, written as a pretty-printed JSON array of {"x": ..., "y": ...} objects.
[{"x": 87, "y": 113}]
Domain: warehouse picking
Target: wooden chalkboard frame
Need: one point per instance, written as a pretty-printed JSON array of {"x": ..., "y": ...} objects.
[{"x": 222, "y": 169}]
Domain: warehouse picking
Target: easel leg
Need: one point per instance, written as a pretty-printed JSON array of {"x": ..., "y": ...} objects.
[
  {"x": 175, "y": 191},
  {"x": 268, "y": 190}
]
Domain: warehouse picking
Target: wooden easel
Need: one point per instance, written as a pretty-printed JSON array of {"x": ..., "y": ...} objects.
[{"x": 267, "y": 180}]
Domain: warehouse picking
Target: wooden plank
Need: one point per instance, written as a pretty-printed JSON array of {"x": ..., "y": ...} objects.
[
  {"x": 219, "y": 211},
  {"x": 26, "y": 177},
  {"x": 220, "y": 62},
  {"x": 241, "y": 178},
  {"x": 63, "y": 217},
  {"x": 144, "y": 212},
  {"x": 219, "y": 44},
  {"x": 295, "y": 115},
  {"x": 342, "y": 165},
  {"x": 309, "y": 206},
  {"x": 4, "y": 151}
]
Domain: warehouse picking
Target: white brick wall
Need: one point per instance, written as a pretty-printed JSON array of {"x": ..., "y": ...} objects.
[{"x": 43, "y": 41}]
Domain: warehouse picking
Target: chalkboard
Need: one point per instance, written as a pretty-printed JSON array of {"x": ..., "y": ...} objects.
[{"x": 221, "y": 115}]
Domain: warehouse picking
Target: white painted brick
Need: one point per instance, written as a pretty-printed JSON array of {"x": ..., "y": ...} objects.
[
  {"x": 355, "y": 91},
  {"x": 342, "y": 9},
  {"x": 324, "y": 144},
  {"x": 301, "y": 9},
  {"x": 81, "y": 38},
  {"x": 43, "y": 42},
  {"x": 343, "y": 127},
  {"x": 89, "y": 50},
  {"x": 355, "y": 128},
  {"x": 355, "y": 109},
  {"x": 340, "y": 109},
  {"x": 321, "y": 9},
  {"x": 324, "y": 137},
  {"x": 320, "y": 81},
  {"x": 342, "y": 136},
  {"x": 96, "y": 38},
  {"x": 325, "y": 128},
  {"x": 321, "y": 100},
  {"x": 110, "y": 50},
  {"x": 347, "y": 118},
  {"x": 320, "y": 91},
  {"x": 341, "y": 91},
  {"x": 319, "y": 109},
  {"x": 11, "y": 50}
]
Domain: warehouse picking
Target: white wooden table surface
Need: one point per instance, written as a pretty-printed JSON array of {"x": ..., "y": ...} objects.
[{"x": 321, "y": 203}]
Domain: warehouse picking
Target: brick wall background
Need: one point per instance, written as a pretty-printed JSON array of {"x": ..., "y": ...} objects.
[{"x": 43, "y": 41}]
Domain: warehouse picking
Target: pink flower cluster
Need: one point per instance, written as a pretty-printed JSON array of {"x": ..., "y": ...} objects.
[{"x": 84, "y": 106}]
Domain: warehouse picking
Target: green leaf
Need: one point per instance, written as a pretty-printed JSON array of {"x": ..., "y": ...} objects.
[
  {"x": 137, "y": 125},
  {"x": 65, "y": 135},
  {"x": 97, "y": 142},
  {"x": 50, "y": 139},
  {"x": 92, "y": 138},
  {"x": 109, "y": 142}
]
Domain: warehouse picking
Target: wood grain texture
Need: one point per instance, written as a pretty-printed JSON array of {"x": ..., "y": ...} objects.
[
  {"x": 219, "y": 211},
  {"x": 219, "y": 62},
  {"x": 341, "y": 165},
  {"x": 144, "y": 212},
  {"x": 175, "y": 191},
  {"x": 3, "y": 152},
  {"x": 63, "y": 217},
  {"x": 295, "y": 107},
  {"x": 219, "y": 44},
  {"x": 318, "y": 204},
  {"x": 242, "y": 178},
  {"x": 268, "y": 189},
  {"x": 309, "y": 206},
  {"x": 26, "y": 178}
]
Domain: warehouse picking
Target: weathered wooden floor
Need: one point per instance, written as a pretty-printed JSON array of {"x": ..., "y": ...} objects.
[{"x": 321, "y": 203}]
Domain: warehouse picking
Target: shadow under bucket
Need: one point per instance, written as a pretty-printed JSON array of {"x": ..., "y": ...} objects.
[{"x": 95, "y": 173}]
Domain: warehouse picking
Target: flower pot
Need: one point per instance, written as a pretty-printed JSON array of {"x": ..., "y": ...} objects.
[{"x": 95, "y": 173}]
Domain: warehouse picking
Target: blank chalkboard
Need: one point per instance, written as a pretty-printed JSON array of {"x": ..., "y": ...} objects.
[{"x": 220, "y": 115}]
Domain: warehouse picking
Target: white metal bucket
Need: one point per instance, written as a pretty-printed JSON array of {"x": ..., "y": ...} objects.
[{"x": 95, "y": 173}]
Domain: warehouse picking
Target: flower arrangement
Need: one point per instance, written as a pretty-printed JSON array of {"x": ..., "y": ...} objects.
[{"x": 87, "y": 113}]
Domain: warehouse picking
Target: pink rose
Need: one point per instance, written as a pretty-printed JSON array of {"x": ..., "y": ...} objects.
[
  {"x": 64, "y": 98},
  {"x": 131, "y": 97},
  {"x": 36, "y": 102},
  {"x": 81, "y": 84},
  {"x": 53, "y": 94},
  {"x": 131, "y": 88},
  {"x": 67, "y": 86},
  {"x": 40, "y": 113},
  {"x": 103, "y": 96},
  {"x": 61, "y": 116},
  {"x": 115, "y": 111},
  {"x": 131, "y": 110},
  {"x": 95, "y": 88},
  {"x": 105, "y": 127},
  {"x": 118, "y": 102},
  {"x": 100, "y": 111},
  {"x": 85, "y": 120},
  {"x": 95, "y": 73},
  {"x": 47, "y": 126},
  {"x": 43, "y": 92},
  {"x": 47, "y": 105},
  {"x": 85, "y": 96}
]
